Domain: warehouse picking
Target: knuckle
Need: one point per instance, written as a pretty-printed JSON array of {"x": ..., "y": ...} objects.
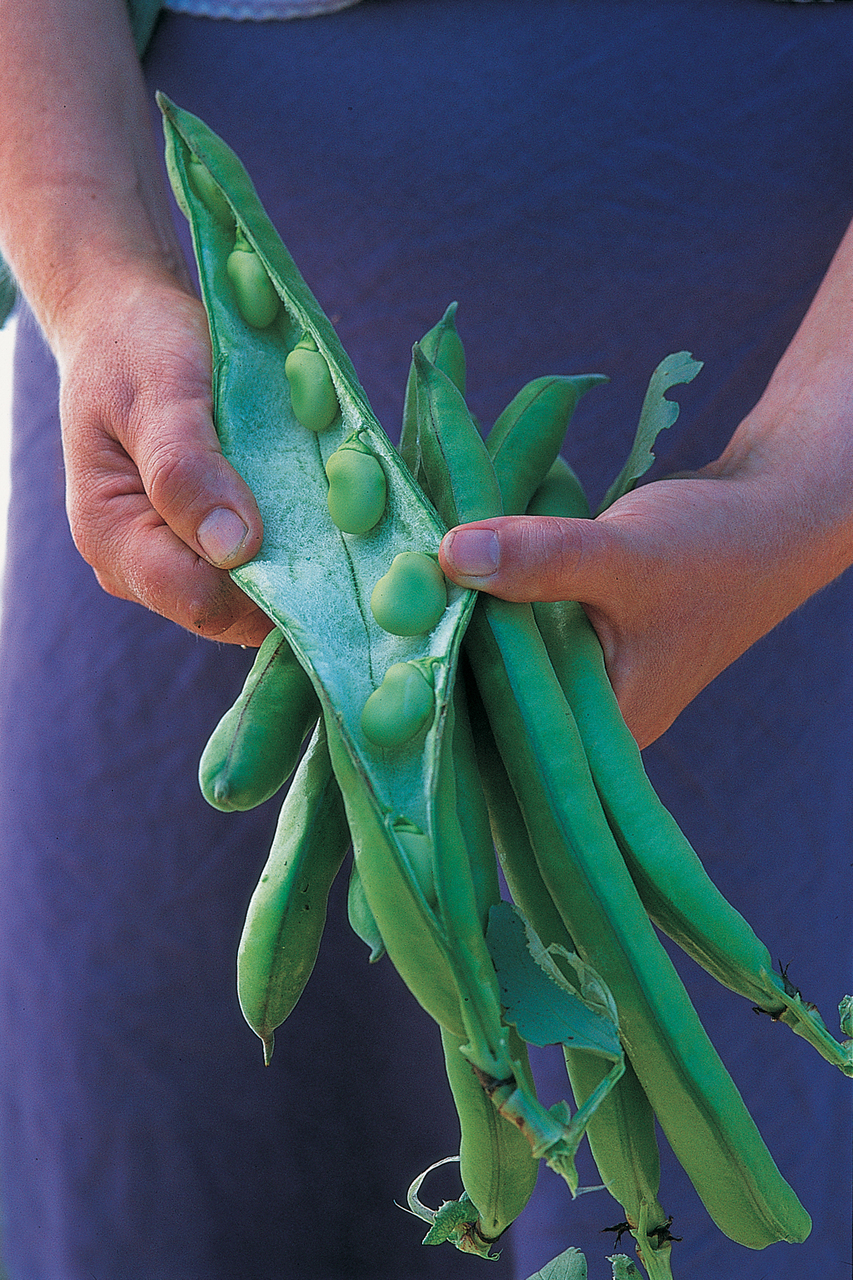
[
  {"x": 546, "y": 556},
  {"x": 172, "y": 479}
]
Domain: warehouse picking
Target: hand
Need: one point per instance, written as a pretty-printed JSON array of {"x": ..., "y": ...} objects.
[
  {"x": 678, "y": 577},
  {"x": 153, "y": 506}
]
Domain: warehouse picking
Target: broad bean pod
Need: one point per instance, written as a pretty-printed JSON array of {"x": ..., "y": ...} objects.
[
  {"x": 315, "y": 585},
  {"x": 675, "y": 889},
  {"x": 695, "y": 1099},
  {"x": 313, "y": 580},
  {"x": 526, "y": 438},
  {"x": 361, "y": 918},
  {"x": 693, "y": 1095},
  {"x": 443, "y": 347},
  {"x": 255, "y": 746},
  {"x": 496, "y": 1163},
  {"x": 287, "y": 912},
  {"x": 560, "y": 493},
  {"x": 458, "y": 472},
  {"x": 621, "y": 1128}
]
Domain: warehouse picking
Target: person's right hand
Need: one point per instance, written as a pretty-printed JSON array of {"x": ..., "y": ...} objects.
[{"x": 153, "y": 506}]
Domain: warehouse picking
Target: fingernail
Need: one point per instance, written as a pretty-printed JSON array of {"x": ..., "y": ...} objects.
[
  {"x": 221, "y": 534},
  {"x": 473, "y": 553}
]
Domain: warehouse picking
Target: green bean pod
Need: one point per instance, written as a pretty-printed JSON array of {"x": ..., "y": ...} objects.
[
  {"x": 673, "y": 885},
  {"x": 361, "y": 918},
  {"x": 695, "y": 1099},
  {"x": 496, "y": 1164},
  {"x": 255, "y": 747},
  {"x": 526, "y": 438},
  {"x": 287, "y": 912},
  {"x": 442, "y": 346}
]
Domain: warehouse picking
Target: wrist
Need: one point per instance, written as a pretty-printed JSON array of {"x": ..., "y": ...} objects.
[
  {"x": 81, "y": 247},
  {"x": 100, "y": 289},
  {"x": 794, "y": 455},
  {"x": 82, "y": 193}
]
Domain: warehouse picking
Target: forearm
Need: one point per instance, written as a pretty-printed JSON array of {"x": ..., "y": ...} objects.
[
  {"x": 86, "y": 225},
  {"x": 83, "y": 204},
  {"x": 797, "y": 443}
]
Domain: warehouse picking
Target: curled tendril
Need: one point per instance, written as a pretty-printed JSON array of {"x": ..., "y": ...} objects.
[{"x": 454, "y": 1220}]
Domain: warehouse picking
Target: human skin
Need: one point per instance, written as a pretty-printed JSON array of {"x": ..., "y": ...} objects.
[
  {"x": 679, "y": 577},
  {"x": 153, "y": 507}
]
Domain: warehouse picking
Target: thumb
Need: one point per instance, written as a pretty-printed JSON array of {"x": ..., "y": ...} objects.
[
  {"x": 526, "y": 558},
  {"x": 196, "y": 491}
]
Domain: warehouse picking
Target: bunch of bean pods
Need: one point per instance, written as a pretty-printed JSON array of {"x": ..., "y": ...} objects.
[{"x": 441, "y": 727}]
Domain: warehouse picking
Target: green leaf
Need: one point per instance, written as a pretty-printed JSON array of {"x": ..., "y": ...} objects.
[
  {"x": 546, "y": 1004},
  {"x": 845, "y": 1011},
  {"x": 570, "y": 1265},
  {"x": 656, "y": 415}
]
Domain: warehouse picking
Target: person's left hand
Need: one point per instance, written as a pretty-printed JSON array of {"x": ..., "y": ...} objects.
[{"x": 678, "y": 578}]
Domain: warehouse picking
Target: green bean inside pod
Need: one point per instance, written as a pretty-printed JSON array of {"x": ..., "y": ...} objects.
[
  {"x": 418, "y": 849},
  {"x": 209, "y": 191},
  {"x": 312, "y": 392},
  {"x": 411, "y": 597},
  {"x": 254, "y": 293},
  {"x": 358, "y": 489},
  {"x": 401, "y": 707}
]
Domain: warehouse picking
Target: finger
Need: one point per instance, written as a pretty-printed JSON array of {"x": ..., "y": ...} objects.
[
  {"x": 526, "y": 558},
  {"x": 191, "y": 486},
  {"x": 153, "y": 398},
  {"x": 136, "y": 556}
]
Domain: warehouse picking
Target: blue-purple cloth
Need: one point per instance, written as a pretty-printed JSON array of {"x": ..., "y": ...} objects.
[{"x": 598, "y": 183}]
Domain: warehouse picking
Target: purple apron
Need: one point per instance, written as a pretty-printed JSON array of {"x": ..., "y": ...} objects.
[{"x": 598, "y": 184}]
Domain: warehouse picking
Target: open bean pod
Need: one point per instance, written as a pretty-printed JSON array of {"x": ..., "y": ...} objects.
[{"x": 313, "y": 579}]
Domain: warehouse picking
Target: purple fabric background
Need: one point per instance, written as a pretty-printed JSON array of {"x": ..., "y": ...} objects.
[{"x": 598, "y": 183}]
